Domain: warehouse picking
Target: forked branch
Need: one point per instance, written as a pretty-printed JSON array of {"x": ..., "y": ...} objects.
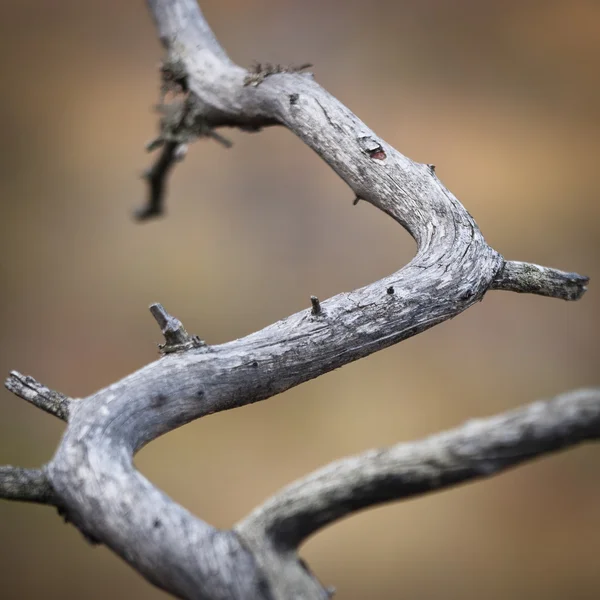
[{"x": 92, "y": 477}]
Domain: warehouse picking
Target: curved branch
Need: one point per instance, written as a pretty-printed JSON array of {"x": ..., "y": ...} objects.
[
  {"x": 92, "y": 473},
  {"x": 25, "y": 485},
  {"x": 479, "y": 448}
]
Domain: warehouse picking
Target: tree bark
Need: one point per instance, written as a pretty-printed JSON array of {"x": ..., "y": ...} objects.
[{"x": 91, "y": 478}]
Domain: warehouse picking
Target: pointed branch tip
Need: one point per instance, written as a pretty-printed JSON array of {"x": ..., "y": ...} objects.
[
  {"x": 157, "y": 175},
  {"x": 528, "y": 278}
]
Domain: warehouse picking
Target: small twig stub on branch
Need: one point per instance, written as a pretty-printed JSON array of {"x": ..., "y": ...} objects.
[
  {"x": 177, "y": 339},
  {"x": 527, "y": 278},
  {"x": 316, "y": 310}
]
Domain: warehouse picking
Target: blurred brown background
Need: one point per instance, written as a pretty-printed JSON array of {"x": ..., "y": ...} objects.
[{"x": 502, "y": 97}]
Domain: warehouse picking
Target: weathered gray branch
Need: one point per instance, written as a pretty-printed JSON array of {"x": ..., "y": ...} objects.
[
  {"x": 25, "y": 485},
  {"x": 92, "y": 476},
  {"x": 526, "y": 278},
  {"x": 39, "y": 395},
  {"x": 479, "y": 448}
]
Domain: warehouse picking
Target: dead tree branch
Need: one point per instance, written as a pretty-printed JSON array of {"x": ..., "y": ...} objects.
[
  {"x": 479, "y": 448},
  {"x": 25, "y": 485},
  {"x": 526, "y": 278},
  {"x": 91, "y": 476},
  {"x": 39, "y": 395}
]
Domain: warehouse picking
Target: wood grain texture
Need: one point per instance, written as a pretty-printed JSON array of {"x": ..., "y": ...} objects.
[{"x": 92, "y": 478}]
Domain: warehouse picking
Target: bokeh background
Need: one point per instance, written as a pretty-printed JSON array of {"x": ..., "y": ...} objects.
[{"x": 502, "y": 97}]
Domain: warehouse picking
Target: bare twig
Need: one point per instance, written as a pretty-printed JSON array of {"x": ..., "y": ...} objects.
[
  {"x": 181, "y": 122},
  {"x": 157, "y": 179},
  {"x": 39, "y": 395},
  {"x": 480, "y": 448},
  {"x": 527, "y": 278},
  {"x": 172, "y": 152},
  {"x": 25, "y": 485}
]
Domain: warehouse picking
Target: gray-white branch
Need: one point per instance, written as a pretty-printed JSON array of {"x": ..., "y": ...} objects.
[
  {"x": 39, "y": 395},
  {"x": 479, "y": 448},
  {"x": 92, "y": 478}
]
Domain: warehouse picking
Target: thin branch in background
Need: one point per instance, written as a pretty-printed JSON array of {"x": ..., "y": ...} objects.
[
  {"x": 172, "y": 152},
  {"x": 479, "y": 448},
  {"x": 181, "y": 123},
  {"x": 157, "y": 177}
]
